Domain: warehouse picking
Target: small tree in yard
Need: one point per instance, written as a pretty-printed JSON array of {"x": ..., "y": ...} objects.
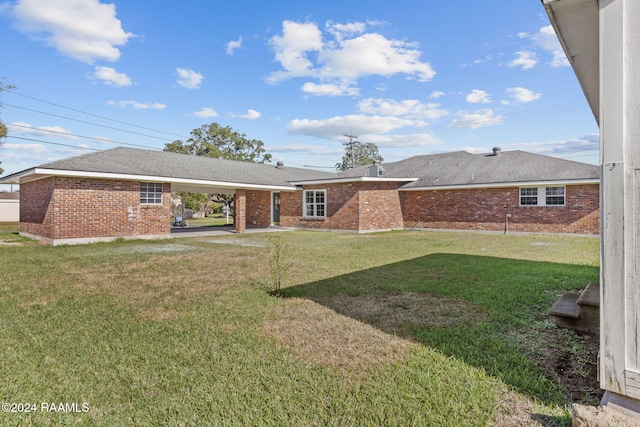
[{"x": 279, "y": 265}]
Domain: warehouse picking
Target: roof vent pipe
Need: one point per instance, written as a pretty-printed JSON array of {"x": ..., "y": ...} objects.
[
  {"x": 279, "y": 165},
  {"x": 496, "y": 151}
]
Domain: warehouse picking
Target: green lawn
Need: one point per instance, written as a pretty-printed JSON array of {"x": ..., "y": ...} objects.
[
  {"x": 210, "y": 221},
  {"x": 399, "y": 328}
]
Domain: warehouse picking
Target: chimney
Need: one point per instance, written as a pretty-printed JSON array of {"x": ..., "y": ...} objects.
[
  {"x": 496, "y": 151},
  {"x": 376, "y": 169},
  {"x": 279, "y": 165}
]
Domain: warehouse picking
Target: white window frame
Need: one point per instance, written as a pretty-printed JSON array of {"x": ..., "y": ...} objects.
[
  {"x": 314, "y": 205},
  {"x": 151, "y": 193},
  {"x": 542, "y": 198}
]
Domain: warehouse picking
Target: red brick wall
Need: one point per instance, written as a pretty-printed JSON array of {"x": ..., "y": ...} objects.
[
  {"x": 358, "y": 206},
  {"x": 486, "y": 209},
  {"x": 380, "y": 207},
  {"x": 258, "y": 208},
  {"x": 88, "y": 208},
  {"x": 36, "y": 210},
  {"x": 240, "y": 211}
]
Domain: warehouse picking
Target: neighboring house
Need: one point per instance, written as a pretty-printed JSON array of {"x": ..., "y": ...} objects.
[
  {"x": 9, "y": 207},
  {"x": 125, "y": 192}
]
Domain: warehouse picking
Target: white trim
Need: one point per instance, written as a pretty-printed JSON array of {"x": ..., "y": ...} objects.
[
  {"x": 14, "y": 178},
  {"x": 507, "y": 185},
  {"x": 352, "y": 179},
  {"x": 153, "y": 199},
  {"x": 541, "y": 196},
  {"x": 304, "y": 204},
  {"x": 45, "y": 173}
]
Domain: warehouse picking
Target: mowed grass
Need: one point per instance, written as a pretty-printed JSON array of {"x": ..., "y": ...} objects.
[{"x": 399, "y": 328}]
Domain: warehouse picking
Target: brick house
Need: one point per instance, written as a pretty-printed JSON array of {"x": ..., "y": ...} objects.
[{"x": 125, "y": 192}]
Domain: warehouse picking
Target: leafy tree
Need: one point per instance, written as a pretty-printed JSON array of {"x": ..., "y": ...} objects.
[
  {"x": 359, "y": 155},
  {"x": 213, "y": 140}
]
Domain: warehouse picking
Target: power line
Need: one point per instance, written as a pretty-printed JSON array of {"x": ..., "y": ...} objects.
[
  {"x": 86, "y": 122},
  {"x": 80, "y": 136},
  {"x": 53, "y": 143},
  {"x": 91, "y": 114},
  {"x": 353, "y": 141}
]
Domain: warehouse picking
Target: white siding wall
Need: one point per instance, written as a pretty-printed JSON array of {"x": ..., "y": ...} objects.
[{"x": 9, "y": 210}]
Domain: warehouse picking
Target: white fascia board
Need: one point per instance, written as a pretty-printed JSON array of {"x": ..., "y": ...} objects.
[
  {"x": 353, "y": 179},
  {"x": 506, "y": 185},
  {"x": 14, "y": 178},
  {"x": 151, "y": 178}
]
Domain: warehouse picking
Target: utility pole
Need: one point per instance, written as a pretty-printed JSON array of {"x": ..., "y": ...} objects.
[{"x": 353, "y": 141}]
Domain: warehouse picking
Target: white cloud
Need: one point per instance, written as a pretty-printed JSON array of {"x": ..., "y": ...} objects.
[
  {"x": 334, "y": 127},
  {"x": 138, "y": 105},
  {"x": 85, "y": 30},
  {"x": 525, "y": 59},
  {"x": 412, "y": 140},
  {"x": 340, "y": 31},
  {"x": 329, "y": 89},
  {"x": 547, "y": 39},
  {"x": 409, "y": 108},
  {"x": 521, "y": 94},
  {"x": 476, "y": 119},
  {"x": 27, "y": 148},
  {"x": 316, "y": 150},
  {"x": 583, "y": 143},
  {"x": 292, "y": 47},
  {"x": 436, "y": 94},
  {"x": 478, "y": 96},
  {"x": 234, "y": 45},
  {"x": 206, "y": 112},
  {"x": 189, "y": 79},
  {"x": 372, "y": 54},
  {"x": 41, "y": 131},
  {"x": 350, "y": 55},
  {"x": 250, "y": 115},
  {"x": 111, "y": 77}
]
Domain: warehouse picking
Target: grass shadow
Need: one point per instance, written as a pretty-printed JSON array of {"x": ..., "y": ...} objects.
[{"x": 489, "y": 312}]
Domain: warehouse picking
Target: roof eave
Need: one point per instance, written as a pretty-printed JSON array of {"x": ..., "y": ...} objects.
[
  {"x": 351, "y": 179},
  {"x": 576, "y": 23},
  {"x": 41, "y": 173},
  {"x": 588, "y": 181}
]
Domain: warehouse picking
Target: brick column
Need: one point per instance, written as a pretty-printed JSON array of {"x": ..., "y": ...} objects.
[{"x": 240, "y": 211}]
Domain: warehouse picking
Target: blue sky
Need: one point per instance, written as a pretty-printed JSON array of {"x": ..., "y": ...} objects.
[{"x": 412, "y": 76}]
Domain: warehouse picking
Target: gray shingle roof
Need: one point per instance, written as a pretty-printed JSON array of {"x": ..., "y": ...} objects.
[
  {"x": 183, "y": 166},
  {"x": 432, "y": 171},
  {"x": 462, "y": 168}
]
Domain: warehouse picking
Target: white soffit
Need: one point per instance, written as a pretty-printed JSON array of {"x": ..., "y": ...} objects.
[{"x": 576, "y": 23}]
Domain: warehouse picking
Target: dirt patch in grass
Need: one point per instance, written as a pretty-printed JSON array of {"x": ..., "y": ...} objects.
[
  {"x": 150, "y": 248},
  {"x": 318, "y": 335},
  {"x": 573, "y": 357},
  {"x": 396, "y": 314},
  {"x": 515, "y": 410},
  {"x": 238, "y": 242}
]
